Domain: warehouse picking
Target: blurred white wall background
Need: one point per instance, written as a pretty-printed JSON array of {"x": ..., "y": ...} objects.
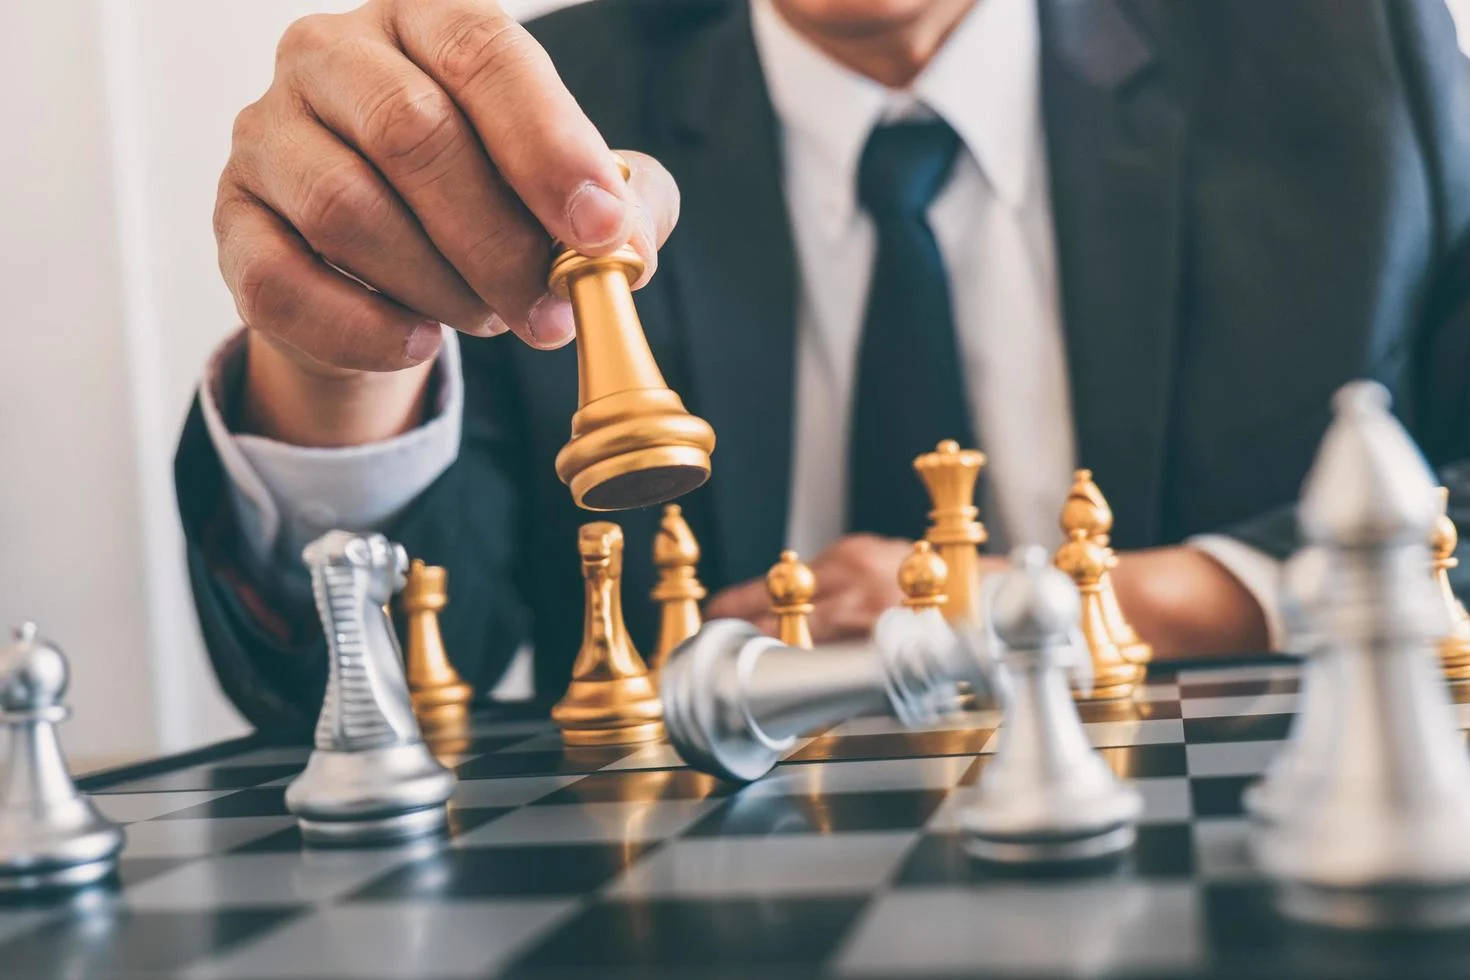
[{"x": 119, "y": 122}]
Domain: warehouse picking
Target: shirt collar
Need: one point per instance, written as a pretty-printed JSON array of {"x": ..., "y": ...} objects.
[{"x": 983, "y": 82}]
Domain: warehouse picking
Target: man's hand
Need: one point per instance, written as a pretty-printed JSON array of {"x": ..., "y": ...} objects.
[
  {"x": 408, "y": 166},
  {"x": 857, "y": 578},
  {"x": 1179, "y": 599}
]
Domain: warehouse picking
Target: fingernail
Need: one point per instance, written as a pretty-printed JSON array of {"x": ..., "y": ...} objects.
[
  {"x": 424, "y": 342},
  {"x": 494, "y": 326},
  {"x": 596, "y": 216},
  {"x": 550, "y": 322}
]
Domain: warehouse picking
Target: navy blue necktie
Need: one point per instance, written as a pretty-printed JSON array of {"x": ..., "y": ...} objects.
[{"x": 910, "y": 389}]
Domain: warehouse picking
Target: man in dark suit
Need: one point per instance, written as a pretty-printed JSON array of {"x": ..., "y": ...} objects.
[{"x": 1170, "y": 234}]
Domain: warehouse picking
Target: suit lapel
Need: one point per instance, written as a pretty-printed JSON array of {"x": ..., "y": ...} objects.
[
  {"x": 1115, "y": 140},
  {"x": 732, "y": 266}
]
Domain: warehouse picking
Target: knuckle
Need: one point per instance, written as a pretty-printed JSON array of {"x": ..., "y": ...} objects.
[
  {"x": 306, "y": 35},
  {"x": 412, "y": 128},
  {"x": 339, "y": 207},
  {"x": 260, "y": 292},
  {"x": 478, "y": 47}
]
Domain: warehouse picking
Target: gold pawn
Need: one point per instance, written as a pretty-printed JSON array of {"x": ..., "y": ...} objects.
[
  {"x": 675, "y": 554},
  {"x": 441, "y": 698},
  {"x": 792, "y": 586},
  {"x": 633, "y": 443},
  {"x": 1087, "y": 509},
  {"x": 1454, "y": 649},
  {"x": 611, "y": 699},
  {"x": 1087, "y": 562},
  {"x": 923, "y": 578},
  {"x": 949, "y": 474}
]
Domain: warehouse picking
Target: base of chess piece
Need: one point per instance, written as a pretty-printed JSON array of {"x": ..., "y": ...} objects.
[
  {"x": 376, "y": 796},
  {"x": 1112, "y": 682},
  {"x": 614, "y": 711},
  {"x": 75, "y": 848},
  {"x": 442, "y": 708}
]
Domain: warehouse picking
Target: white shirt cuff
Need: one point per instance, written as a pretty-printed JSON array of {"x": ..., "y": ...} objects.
[
  {"x": 285, "y": 496},
  {"x": 1257, "y": 571}
]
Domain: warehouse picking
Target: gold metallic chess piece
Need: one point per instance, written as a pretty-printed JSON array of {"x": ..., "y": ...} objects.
[
  {"x": 1087, "y": 562},
  {"x": 923, "y": 578},
  {"x": 1087, "y": 510},
  {"x": 949, "y": 474},
  {"x": 633, "y": 443},
  {"x": 1454, "y": 649},
  {"x": 675, "y": 555},
  {"x": 441, "y": 699},
  {"x": 791, "y": 586},
  {"x": 611, "y": 699}
]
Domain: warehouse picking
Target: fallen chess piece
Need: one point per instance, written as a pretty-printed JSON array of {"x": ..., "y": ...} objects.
[
  {"x": 370, "y": 778},
  {"x": 1366, "y": 826},
  {"x": 736, "y": 700},
  {"x": 1047, "y": 796},
  {"x": 51, "y": 837}
]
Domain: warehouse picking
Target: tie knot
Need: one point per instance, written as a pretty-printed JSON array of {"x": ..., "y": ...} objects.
[{"x": 903, "y": 167}]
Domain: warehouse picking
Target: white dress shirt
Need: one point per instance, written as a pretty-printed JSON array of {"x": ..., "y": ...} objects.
[{"x": 993, "y": 224}]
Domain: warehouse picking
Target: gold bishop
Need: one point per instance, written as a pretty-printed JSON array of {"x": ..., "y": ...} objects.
[
  {"x": 1454, "y": 648},
  {"x": 949, "y": 474},
  {"x": 792, "y": 586},
  {"x": 676, "y": 556},
  {"x": 1088, "y": 562},
  {"x": 1086, "y": 509},
  {"x": 611, "y": 699}
]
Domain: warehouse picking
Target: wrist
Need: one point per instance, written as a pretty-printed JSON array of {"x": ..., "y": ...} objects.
[
  {"x": 289, "y": 398},
  {"x": 1186, "y": 603}
]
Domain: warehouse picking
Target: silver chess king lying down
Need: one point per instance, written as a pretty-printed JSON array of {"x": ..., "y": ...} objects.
[
  {"x": 1362, "y": 817},
  {"x": 735, "y": 701},
  {"x": 370, "y": 777}
]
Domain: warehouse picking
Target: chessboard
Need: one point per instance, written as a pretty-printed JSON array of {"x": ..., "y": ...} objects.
[{"x": 619, "y": 861}]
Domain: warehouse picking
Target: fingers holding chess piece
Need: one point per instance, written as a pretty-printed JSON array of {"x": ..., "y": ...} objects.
[
  {"x": 950, "y": 474},
  {"x": 1086, "y": 509},
  {"x": 792, "y": 586},
  {"x": 51, "y": 836},
  {"x": 1454, "y": 648},
  {"x": 611, "y": 699},
  {"x": 678, "y": 591},
  {"x": 633, "y": 443},
  {"x": 441, "y": 698}
]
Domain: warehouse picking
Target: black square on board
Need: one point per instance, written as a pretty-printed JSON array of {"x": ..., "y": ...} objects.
[
  {"x": 834, "y": 813},
  {"x": 696, "y": 932},
  {"x": 1218, "y": 796},
  {"x": 490, "y": 872},
  {"x": 640, "y": 785},
  {"x": 263, "y": 801},
  {"x": 552, "y": 762},
  {"x": 897, "y": 745},
  {"x": 1237, "y": 728},
  {"x": 1146, "y": 761}
]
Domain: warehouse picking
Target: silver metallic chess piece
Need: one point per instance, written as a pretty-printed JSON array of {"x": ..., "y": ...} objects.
[
  {"x": 735, "y": 700},
  {"x": 1047, "y": 796},
  {"x": 370, "y": 777},
  {"x": 51, "y": 836},
  {"x": 1369, "y": 826}
]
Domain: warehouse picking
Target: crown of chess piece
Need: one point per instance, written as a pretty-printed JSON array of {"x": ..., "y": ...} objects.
[
  {"x": 1454, "y": 648},
  {"x": 611, "y": 699},
  {"x": 370, "y": 777},
  {"x": 1372, "y": 832},
  {"x": 923, "y": 578},
  {"x": 1047, "y": 796},
  {"x": 791, "y": 587},
  {"x": 441, "y": 698},
  {"x": 1087, "y": 509},
  {"x": 633, "y": 443},
  {"x": 950, "y": 474},
  {"x": 1087, "y": 562},
  {"x": 51, "y": 836},
  {"x": 677, "y": 592},
  {"x": 735, "y": 701}
]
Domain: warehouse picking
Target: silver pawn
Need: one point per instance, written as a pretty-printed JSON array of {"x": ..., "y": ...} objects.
[
  {"x": 1047, "y": 796},
  {"x": 1369, "y": 828},
  {"x": 51, "y": 836},
  {"x": 735, "y": 700},
  {"x": 370, "y": 778}
]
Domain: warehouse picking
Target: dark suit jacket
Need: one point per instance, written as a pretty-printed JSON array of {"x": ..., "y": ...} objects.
[{"x": 1253, "y": 204}]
